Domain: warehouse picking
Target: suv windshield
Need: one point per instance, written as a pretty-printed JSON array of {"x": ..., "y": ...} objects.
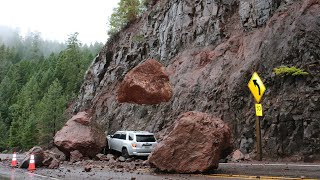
[{"x": 145, "y": 138}]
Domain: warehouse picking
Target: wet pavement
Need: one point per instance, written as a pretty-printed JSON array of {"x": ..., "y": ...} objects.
[
  {"x": 271, "y": 170},
  {"x": 101, "y": 170},
  {"x": 17, "y": 174}
]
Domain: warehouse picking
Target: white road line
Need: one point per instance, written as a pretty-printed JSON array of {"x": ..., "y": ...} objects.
[
  {"x": 253, "y": 164},
  {"x": 228, "y": 176},
  {"x": 47, "y": 177}
]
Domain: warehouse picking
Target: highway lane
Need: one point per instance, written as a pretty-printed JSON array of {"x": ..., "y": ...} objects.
[
  {"x": 272, "y": 170},
  {"x": 9, "y": 156},
  {"x": 244, "y": 170}
]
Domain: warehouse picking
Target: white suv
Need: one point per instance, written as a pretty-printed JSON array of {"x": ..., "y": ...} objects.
[{"x": 132, "y": 143}]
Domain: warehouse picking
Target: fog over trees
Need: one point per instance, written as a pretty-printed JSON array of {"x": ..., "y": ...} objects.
[{"x": 38, "y": 79}]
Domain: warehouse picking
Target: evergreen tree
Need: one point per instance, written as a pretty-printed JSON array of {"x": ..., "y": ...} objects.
[
  {"x": 3, "y": 135},
  {"x": 50, "y": 113},
  {"x": 35, "y": 47},
  {"x": 127, "y": 11},
  {"x": 47, "y": 79},
  {"x": 14, "y": 138},
  {"x": 29, "y": 133},
  {"x": 7, "y": 55},
  {"x": 8, "y": 90},
  {"x": 71, "y": 66},
  {"x": 22, "y": 124},
  {"x": 34, "y": 91}
]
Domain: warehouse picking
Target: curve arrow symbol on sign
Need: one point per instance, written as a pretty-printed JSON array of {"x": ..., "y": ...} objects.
[
  {"x": 256, "y": 84},
  {"x": 256, "y": 87}
]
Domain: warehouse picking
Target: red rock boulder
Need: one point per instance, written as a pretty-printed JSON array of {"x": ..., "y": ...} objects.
[
  {"x": 39, "y": 156},
  {"x": 147, "y": 83},
  {"x": 42, "y": 158},
  {"x": 196, "y": 143},
  {"x": 80, "y": 133},
  {"x": 75, "y": 156},
  {"x": 51, "y": 160}
]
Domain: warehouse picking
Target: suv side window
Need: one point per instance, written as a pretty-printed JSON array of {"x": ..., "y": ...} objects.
[
  {"x": 116, "y": 136},
  {"x": 130, "y": 137},
  {"x": 123, "y": 136}
]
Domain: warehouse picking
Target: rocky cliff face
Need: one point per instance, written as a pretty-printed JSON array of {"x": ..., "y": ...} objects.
[{"x": 210, "y": 49}]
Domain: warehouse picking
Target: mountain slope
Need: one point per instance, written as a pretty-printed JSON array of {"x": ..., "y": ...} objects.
[{"x": 210, "y": 49}]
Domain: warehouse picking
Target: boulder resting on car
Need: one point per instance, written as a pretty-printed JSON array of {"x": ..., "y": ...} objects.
[
  {"x": 80, "y": 133},
  {"x": 195, "y": 143}
]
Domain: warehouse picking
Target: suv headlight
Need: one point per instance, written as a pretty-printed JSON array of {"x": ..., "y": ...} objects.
[{"x": 134, "y": 145}]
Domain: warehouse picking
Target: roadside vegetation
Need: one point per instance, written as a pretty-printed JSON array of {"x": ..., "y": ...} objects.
[
  {"x": 126, "y": 12},
  {"x": 36, "y": 87},
  {"x": 289, "y": 71},
  {"x": 39, "y": 79}
]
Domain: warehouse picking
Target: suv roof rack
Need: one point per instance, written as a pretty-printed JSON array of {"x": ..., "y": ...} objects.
[{"x": 133, "y": 132}]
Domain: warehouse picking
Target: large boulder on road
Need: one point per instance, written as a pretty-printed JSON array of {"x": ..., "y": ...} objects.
[
  {"x": 147, "y": 83},
  {"x": 196, "y": 143},
  {"x": 80, "y": 133}
]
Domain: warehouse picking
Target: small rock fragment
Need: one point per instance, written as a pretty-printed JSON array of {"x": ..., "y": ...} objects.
[
  {"x": 87, "y": 168},
  {"x": 122, "y": 159},
  {"x": 237, "y": 156}
]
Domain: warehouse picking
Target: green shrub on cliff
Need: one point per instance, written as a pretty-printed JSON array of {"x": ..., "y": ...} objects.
[
  {"x": 127, "y": 11},
  {"x": 289, "y": 71},
  {"x": 138, "y": 38}
]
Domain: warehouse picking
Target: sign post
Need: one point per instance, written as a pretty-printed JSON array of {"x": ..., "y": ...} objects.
[
  {"x": 259, "y": 143},
  {"x": 257, "y": 89}
]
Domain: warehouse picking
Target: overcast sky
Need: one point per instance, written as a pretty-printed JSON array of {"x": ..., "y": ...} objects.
[{"x": 55, "y": 19}]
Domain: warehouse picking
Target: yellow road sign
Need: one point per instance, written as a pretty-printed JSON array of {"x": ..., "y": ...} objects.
[
  {"x": 259, "y": 109},
  {"x": 256, "y": 87}
]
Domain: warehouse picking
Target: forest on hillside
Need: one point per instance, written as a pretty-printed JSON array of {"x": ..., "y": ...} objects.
[{"x": 38, "y": 79}]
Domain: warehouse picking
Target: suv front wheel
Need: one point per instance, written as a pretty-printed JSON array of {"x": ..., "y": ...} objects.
[{"x": 125, "y": 153}]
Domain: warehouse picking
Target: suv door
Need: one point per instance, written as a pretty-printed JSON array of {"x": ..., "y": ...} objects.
[
  {"x": 121, "y": 141},
  {"x": 113, "y": 141}
]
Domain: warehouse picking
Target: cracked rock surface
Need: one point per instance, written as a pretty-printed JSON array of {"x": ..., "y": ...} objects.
[{"x": 210, "y": 50}]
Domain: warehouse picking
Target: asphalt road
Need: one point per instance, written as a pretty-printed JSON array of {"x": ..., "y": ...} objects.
[
  {"x": 247, "y": 170},
  {"x": 268, "y": 170}
]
